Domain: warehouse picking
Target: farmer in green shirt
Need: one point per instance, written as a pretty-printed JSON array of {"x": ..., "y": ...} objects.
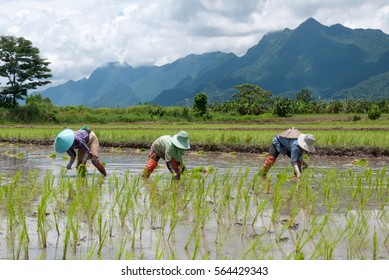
[{"x": 171, "y": 149}]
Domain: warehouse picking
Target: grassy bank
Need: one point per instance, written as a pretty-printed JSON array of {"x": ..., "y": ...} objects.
[{"x": 334, "y": 133}]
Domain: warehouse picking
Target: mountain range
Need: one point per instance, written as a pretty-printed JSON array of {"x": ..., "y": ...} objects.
[{"x": 334, "y": 62}]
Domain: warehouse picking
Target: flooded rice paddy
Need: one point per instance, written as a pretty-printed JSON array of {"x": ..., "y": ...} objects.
[{"x": 219, "y": 210}]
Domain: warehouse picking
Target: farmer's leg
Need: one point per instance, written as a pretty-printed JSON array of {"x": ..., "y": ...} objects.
[
  {"x": 93, "y": 144},
  {"x": 151, "y": 164},
  {"x": 99, "y": 165},
  {"x": 80, "y": 156},
  {"x": 269, "y": 160}
]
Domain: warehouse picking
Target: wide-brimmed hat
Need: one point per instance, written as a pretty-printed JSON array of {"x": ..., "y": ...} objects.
[
  {"x": 181, "y": 140},
  {"x": 290, "y": 133},
  {"x": 305, "y": 141},
  {"x": 64, "y": 140}
]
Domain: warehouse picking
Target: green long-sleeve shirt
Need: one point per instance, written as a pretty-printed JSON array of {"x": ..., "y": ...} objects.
[{"x": 165, "y": 149}]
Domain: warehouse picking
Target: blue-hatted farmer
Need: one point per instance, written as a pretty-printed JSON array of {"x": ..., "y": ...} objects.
[
  {"x": 171, "y": 149},
  {"x": 85, "y": 142},
  {"x": 291, "y": 143}
]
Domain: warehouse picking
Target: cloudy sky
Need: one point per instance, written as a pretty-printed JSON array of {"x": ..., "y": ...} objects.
[{"x": 77, "y": 36}]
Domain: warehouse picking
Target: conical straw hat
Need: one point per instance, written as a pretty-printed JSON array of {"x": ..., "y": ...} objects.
[
  {"x": 290, "y": 133},
  {"x": 64, "y": 140}
]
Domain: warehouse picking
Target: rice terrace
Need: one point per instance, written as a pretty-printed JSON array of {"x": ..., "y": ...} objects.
[{"x": 220, "y": 209}]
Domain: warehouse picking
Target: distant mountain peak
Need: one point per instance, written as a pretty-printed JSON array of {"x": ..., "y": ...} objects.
[{"x": 311, "y": 23}]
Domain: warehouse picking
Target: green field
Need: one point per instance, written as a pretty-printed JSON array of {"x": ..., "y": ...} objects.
[{"x": 332, "y": 132}]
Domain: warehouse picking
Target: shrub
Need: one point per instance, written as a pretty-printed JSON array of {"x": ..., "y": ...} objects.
[
  {"x": 374, "y": 113},
  {"x": 282, "y": 107}
]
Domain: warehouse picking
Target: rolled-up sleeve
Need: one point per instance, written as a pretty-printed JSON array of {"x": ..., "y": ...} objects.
[{"x": 296, "y": 153}]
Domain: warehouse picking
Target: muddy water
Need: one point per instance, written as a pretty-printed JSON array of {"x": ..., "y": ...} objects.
[
  {"x": 25, "y": 158},
  {"x": 236, "y": 237}
]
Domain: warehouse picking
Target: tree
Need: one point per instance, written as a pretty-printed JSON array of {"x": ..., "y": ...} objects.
[
  {"x": 200, "y": 103},
  {"x": 37, "y": 109},
  {"x": 252, "y": 100},
  {"x": 304, "y": 95},
  {"x": 22, "y": 68}
]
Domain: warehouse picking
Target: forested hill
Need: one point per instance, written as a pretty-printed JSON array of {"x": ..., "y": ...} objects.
[{"x": 332, "y": 61}]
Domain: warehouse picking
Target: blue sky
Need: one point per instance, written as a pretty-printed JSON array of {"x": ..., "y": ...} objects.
[{"x": 79, "y": 36}]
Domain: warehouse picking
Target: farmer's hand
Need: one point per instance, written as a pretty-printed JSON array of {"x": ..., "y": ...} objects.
[
  {"x": 305, "y": 165},
  {"x": 170, "y": 167},
  {"x": 296, "y": 178},
  {"x": 297, "y": 172}
]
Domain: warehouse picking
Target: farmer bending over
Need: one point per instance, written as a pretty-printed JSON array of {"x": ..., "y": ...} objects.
[
  {"x": 292, "y": 144},
  {"x": 171, "y": 149},
  {"x": 83, "y": 140}
]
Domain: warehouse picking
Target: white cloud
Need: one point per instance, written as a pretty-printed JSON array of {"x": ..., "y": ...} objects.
[{"x": 78, "y": 36}]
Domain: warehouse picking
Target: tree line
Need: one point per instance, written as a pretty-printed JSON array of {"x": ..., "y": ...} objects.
[{"x": 253, "y": 100}]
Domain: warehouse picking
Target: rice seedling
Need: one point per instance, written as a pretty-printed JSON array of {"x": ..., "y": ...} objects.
[
  {"x": 56, "y": 221},
  {"x": 11, "y": 226},
  {"x": 53, "y": 156},
  {"x": 317, "y": 226},
  {"x": 255, "y": 246},
  {"x": 331, "y": 241},
  {"x": 135, "y": 221},
  {"x": 174, "y": 216},
  {"x": 73, "y": 226},
  {"x": 278, "y": 199},
  {"x": 102, "y": 233},
  {"x": 375, "y": 245},
  {"x": 196, "y": 247},
  {"x": 247, "y": 205},
  {"x": 159, "y": 248},
  {"x": 23, "y": 240},
  {"x": 43, "y": 225},
  {"x": 125, "y": 205},
  {"x": 66, "y": 242},
  {"x": 259, "y": 210},
  {"x": 91, "y": 251}
]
